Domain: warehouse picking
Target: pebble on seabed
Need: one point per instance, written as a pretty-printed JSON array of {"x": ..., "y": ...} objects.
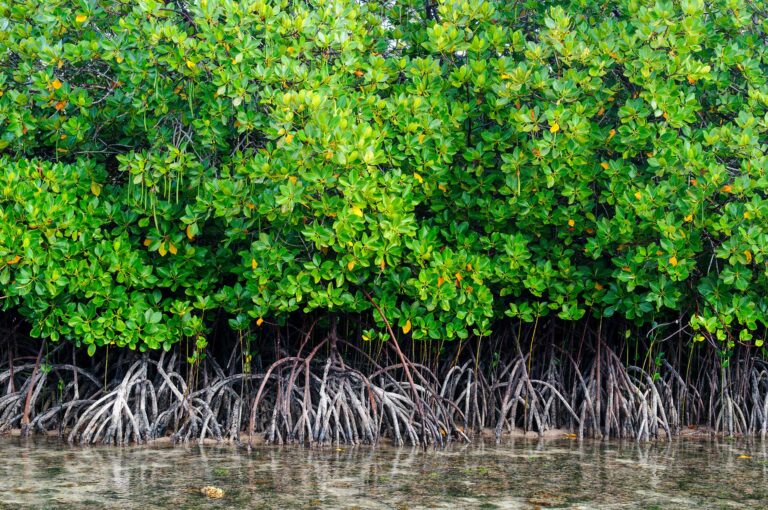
[{"x": 212, "y": 492}]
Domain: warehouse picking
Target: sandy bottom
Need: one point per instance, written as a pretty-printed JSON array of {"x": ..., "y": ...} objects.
[{"x": 688, "y": 473}]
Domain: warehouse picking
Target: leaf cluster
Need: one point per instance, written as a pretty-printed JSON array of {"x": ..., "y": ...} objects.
[{"x": 458, "y": 163}]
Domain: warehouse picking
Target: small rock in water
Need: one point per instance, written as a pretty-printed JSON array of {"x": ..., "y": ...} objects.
[{"x": 212, "y": 492}]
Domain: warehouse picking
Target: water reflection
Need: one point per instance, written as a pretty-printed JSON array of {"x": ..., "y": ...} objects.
[{"x": 516, "y": 474}]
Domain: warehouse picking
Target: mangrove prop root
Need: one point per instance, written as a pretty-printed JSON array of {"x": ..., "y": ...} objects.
[{"x": 337, "y": 393}]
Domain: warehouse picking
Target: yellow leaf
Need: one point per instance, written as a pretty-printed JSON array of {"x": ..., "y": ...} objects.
[
  {"x": 357, "y": 211},
  {"x": 56, "y": 84},
  {"x": 259, "y": 321},
  {"x": 689, "y": 218},
  {"x": 382, "y": 265},
  {"x": 726, "y": 189},
  {"x": 506, "y": 76},
  {"x": 14, "y": 260},
  {"x": 459, "y": 277},
  {"x": 366, "y": 337},
  {"x": 172, "y": 248},
  {"x": 638, "y": 195},
  {"x": 288, "y": 138},
  {"x": 147, "y": 242},
  {"x": 407, "y": 326},
  {"x": 554, "y": 128},
  {"x": 611, "y": 133},
  {"x": 80, "y": 18},
  {"x": 673, "y": 260},
  {"x": 666, "y": 116},
  {"x": 119, "y": 59},
  {"x": 748, "y": 256},
  {"x": 571, "y": 223},
  {"x": 191, "y": 64},
  {"x": 293, "y": 179},
  {"x": 162, "y": 250},
  {"x": 744, "y": 457},
  {"x": 746, "y": 215},
  {"x": 442, "y": 187},
  {"x": 604, "y": 165},
  {"x": 189, "y": 232},
  {"x": 96, "y": 188},
  {"x": 598, "y": 286},
  {"x": 421, "y": 138},
  {"x": 351, "y": 265},
  {"x": 440, "y": 281},
  {"x": 254, "y": 264},
  {"x": 418, "y": 178}
]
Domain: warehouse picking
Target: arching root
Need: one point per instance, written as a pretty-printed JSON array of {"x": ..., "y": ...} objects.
[{"x": 344, "y": 396}]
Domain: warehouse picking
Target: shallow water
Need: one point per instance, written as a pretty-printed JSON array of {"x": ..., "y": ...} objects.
[{"x": 684, "y": 474}]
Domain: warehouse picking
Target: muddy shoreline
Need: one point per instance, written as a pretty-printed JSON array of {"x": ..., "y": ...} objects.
[{"x": 482, "y": 437}]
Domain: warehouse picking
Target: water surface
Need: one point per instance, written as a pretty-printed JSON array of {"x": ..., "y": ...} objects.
[{"x": 526, "y": 474}]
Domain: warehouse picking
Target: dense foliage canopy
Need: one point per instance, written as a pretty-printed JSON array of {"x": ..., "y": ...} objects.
[{"x": 166, "y": 162}]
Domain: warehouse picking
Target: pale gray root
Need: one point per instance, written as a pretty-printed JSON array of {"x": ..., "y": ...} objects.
[
  {"x": 305, "y": 400},
  {"x": 48, "y": 407},
  {"x": 119, "y": 416}
]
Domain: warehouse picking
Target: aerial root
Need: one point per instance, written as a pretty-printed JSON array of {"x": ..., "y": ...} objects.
[
  {"x": 312, "y": 399},
  {"x": 331, "y": 402},
  {"x": 119, "y": 416}
]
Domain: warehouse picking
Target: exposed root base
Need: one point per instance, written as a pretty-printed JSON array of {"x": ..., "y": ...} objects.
[{"x": 314, "y": 399}]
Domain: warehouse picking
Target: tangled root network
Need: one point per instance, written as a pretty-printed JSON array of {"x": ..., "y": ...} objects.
[{"x": 337, "y": 393}]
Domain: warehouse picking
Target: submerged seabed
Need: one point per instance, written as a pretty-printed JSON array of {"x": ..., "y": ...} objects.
[{"x": 686, "y": 473}]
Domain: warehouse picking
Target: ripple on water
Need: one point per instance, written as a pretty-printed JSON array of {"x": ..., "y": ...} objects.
[{"x": 519, "y": 474}]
